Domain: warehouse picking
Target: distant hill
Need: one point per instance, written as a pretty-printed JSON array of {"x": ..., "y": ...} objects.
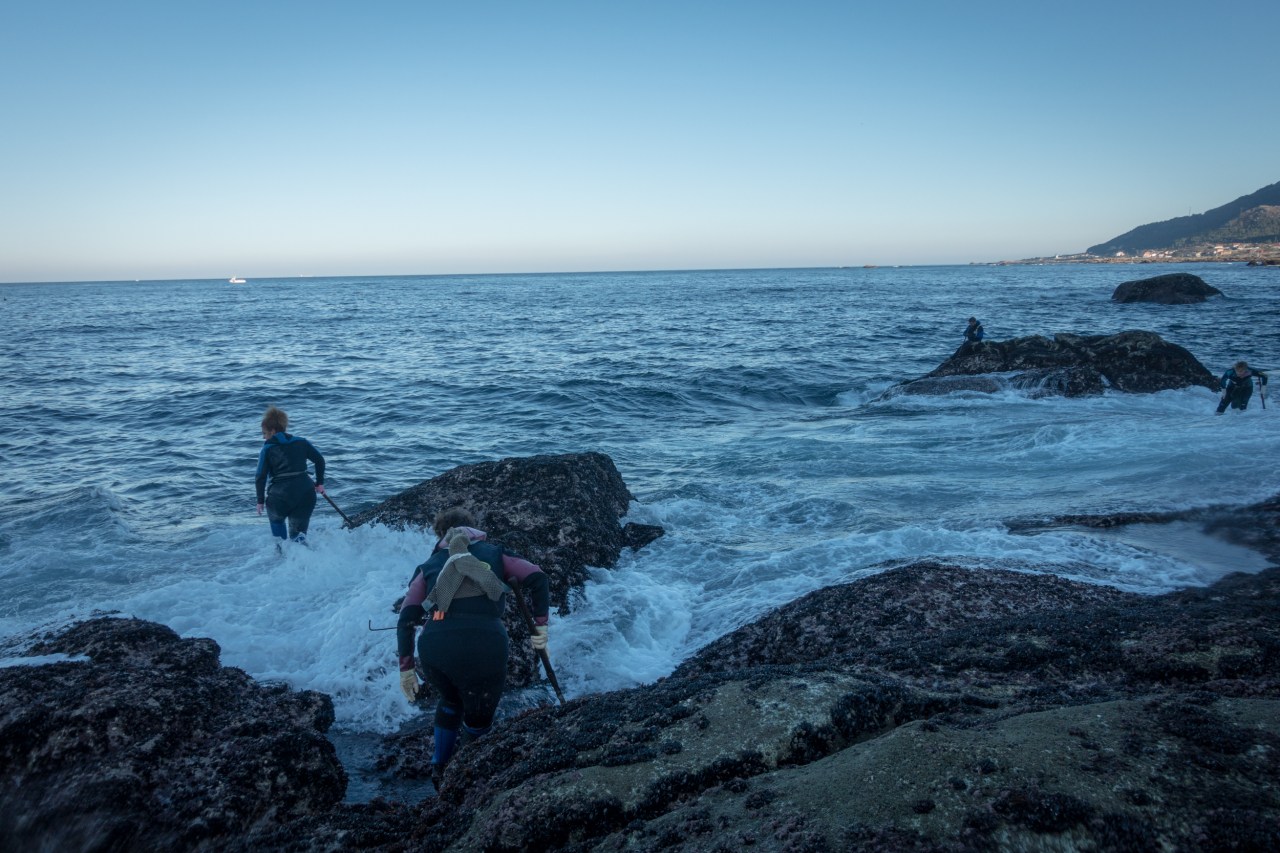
[{"x": 1249, "y": 219}]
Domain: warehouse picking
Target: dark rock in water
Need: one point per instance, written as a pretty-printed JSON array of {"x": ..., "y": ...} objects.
[
  {"x": 1060, "y": 382},
  {"x": 150, "y": 744},
  {"x": 919, "y": 601},
  {"x": 1256, "y": 526},
  {"x": 561, "y": 512},
  {"x": 635, "y": 536},
  {"x": 1134, "y": 361},
  {"x": 1177, "y": 288},
  {"x": 935, "y": 386},
  {"x": 1043, "y": 382}
]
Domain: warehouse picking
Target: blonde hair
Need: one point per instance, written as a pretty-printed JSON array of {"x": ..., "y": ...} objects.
[{"x": 275, "y": 419}]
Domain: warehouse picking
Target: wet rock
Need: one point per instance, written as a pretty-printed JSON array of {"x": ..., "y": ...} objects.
[
  {"x": 929, "y": 707},
  {"x": 561, "y": 512},
  {"x": 1255, "y": 526},
  {"x": 149, "y": 743},
  {"x": 1042, "y": 382},
  {"x": 895, "y": 608},
  {"x": 1177, "y": 288},
  {"x": 1134, "y": 361}
]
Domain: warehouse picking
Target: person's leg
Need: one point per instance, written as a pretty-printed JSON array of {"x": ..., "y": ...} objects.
[
  {"x": 303, "y": 503},
  {"x": 1240, "y": 400},
  {"x": 485, "y": 677},
  {"x": 437, "y": 652},
  {"x": 277, "y": 512},
  {"x": 448, "y": 719}
]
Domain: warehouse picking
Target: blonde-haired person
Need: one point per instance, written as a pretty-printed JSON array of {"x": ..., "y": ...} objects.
[{"x": 291, "y": 495}]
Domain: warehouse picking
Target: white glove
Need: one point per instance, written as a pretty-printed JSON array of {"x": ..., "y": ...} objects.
[
  {"x": 409, "y": 685},
  {"x": 538, "y": 639}
]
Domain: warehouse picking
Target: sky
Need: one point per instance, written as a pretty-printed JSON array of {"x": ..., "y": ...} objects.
[{"x": 160, "y": 140}]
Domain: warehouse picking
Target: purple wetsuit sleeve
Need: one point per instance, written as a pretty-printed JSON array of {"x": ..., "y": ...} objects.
[
  {"x": 417, "y": 591},
  {"x": 411, "y": 614},
  {"x": 531, "y": 578}
]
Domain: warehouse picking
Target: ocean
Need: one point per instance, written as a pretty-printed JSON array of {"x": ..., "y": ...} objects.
[{"x": 743, "y": 409}]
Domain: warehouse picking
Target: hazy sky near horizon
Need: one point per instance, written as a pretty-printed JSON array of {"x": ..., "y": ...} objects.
[{"x": 200, "y": 140}]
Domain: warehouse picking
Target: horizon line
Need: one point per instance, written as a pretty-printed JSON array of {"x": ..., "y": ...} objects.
[{"x": 502, "y": 274}]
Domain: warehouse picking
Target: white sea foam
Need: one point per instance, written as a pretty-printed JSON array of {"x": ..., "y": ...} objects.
[{"x": 41, "y": 660}]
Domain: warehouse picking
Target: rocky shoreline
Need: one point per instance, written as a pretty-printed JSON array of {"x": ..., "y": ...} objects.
[{"x": 927, "y": 707}]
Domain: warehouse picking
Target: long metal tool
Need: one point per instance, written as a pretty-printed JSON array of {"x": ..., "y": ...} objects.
[
  {"x": 542, "y": 653},
  {"x": 346, "y": 522}
]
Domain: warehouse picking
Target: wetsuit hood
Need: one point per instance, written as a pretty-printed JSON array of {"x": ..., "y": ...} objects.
[{"x": 472, "y": 534}]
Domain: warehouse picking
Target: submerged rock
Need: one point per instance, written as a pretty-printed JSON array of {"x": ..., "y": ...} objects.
[
  {"x": 1256, "y": 526},
  {"x": 1043, "y": 382},
  {"x": 1071, "y": 365},
  {"x": 1178, "y": 288}
]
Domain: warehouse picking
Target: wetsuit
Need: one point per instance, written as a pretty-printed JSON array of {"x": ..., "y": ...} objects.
[
  {"x": 292, "y": 494},
  {"x": 974, "y": 333},
  {"x": 1236, "y": 389},
  {"x": 464, "y": 654}
]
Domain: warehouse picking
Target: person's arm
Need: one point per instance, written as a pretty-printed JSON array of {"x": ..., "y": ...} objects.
[
  {"x": 260, "y": 478},
  {"x": 412, "y": 613},
  {"x": 1262, "y": 377},
  {"x": 317, "y": 460},
  {"x": 531, "y": 578}
]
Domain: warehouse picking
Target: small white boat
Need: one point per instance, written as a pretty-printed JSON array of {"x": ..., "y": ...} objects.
[{"x": 234, "y": 280}]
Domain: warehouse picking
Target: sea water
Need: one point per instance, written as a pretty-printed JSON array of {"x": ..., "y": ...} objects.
[{"x": 744, "y": 410}]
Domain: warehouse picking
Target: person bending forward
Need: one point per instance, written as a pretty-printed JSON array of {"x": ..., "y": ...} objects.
[{"x": 463, "y": 645}]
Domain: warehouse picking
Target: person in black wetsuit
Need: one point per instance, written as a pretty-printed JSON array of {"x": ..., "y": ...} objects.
[
  {"x": 292, "y": 494},
  {"x": 973, "y": 332},
  {"x": 460, "y": 591},
  {"x": 1237, "y": 386}
]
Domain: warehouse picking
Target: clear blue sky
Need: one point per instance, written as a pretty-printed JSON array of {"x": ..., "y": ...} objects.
[{"x": 205, "y": 139}]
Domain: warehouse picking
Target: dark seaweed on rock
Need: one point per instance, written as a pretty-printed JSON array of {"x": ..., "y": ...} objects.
[
  {"x": 926, "y": 708},
  {"x": 1069, "y": 365},
  {"x": 151, "y": 744}
]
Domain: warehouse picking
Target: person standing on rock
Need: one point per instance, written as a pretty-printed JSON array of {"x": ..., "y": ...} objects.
[
  {"x": 292, "y": 494},
  {"x": 463, "y": 645},
  {"x": 973, "y": 332},
  {"x": 1237, "y": 386}
]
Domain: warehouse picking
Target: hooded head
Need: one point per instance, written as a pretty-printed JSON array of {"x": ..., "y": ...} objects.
[{"x": 458, "y": 540}]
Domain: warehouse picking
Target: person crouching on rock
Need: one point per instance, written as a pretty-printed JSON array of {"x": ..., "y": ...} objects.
[
  {"x": 1237, "y": 386},
  {"x": 463, "y": 645},
  {"x": 292, "y": 494},
  {"x": 973, "y": 332}
]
